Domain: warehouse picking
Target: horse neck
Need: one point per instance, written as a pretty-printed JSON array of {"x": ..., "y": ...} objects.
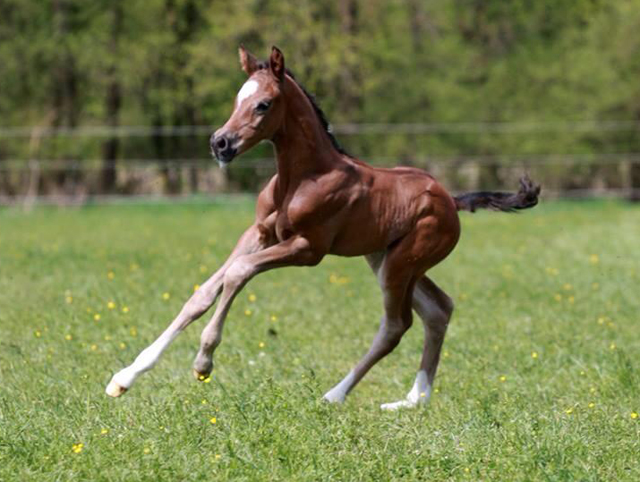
[{"x": 303, "y": 148}]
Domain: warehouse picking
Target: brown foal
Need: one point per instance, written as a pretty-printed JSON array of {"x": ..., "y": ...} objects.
[{"x": 323, "y": 201}]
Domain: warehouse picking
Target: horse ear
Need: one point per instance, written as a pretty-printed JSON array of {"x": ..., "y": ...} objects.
[
  {"x": 247, "y": 60},
  {"x": 276, "y": 63}
]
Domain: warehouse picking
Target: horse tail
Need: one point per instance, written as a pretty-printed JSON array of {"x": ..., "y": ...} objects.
[{"x": 526, "y": 197}]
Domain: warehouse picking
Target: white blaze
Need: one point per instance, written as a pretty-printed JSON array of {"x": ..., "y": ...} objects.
[{"x": 248, "y": 89}]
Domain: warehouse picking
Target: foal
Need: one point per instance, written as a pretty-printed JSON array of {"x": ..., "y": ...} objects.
[{"x": 323, "y": 201}]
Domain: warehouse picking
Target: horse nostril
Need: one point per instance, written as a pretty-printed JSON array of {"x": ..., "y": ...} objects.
[{"x": 221, "y": 143}]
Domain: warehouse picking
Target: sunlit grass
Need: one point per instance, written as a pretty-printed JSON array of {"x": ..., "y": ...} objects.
[{"x": 539, "y": 376}]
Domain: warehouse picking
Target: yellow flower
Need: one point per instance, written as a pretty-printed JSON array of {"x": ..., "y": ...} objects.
[
  {"x": 111, "y": 275},
  {"x": 601, "y": 320},
  {"x": 534, "y": 354},
  {"x": 133, "y": 266},
  {"x": 201, "y": 377},
  {"x": 125, "y": 309},
  {"x": 437, "y": 390},
  {"x": 247, "y": 312},
  {"x": 37, "y": 334},
  {"x": 104, "y": 431},
  {"x": 594, "y": 259},
  {"x": 261, "y": 344},
  {"x": 133, "y": 331},
  {"x": 592, "y": 390},
  {"x": 166, "y": 296},
  {"x": 204, "y": 402},
  {"x": 503, "y": 378},
  {"x": 612, "y": 346},
  {"x": 591, "y": 405},
  {"x": 218, "y": 456},
  {"x": 569, "y": 411},
  {"x": 107, "y": 337},
  {"x": 595, "y": 286},
  {"x": 203, "y": 268},
  {"x": 68, "y": 337},
  {"x": 571, "y": 299},
  {"x": 69, "y": 299},
  {"x": 122, "y": 346},
  {"x": 252, "y": 297},
  {"x": 274, "y": 318},
  {"x": 634, "y": 415},
  {"x": 147, "y": 450},
  {"x": 213, "y": 420},
  {"x": 77, "y": 448},
  {"x": 94, "y": 347},
  {"x": 557, "y": 297},
  {"x": 567, "y": 287},
  {"x": 207, "y": 380},
  {"x": 196, "y": 287},
  {"x": 96, "y": 317},
  {"x": 111, "y": 305}
]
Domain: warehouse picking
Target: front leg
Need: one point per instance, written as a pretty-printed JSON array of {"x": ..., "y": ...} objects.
[
  {"x": 257, "y": 237},
  {"x": 296, "y": 251}
]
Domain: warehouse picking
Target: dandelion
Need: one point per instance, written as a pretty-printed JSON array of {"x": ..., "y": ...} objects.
[
  {"x": 437, "y": 390},
  {"x": 111, "y": 305},
  {"x": 247, "y": 312},
  {"x": 569, "y": 411},
  {"x": 207, "y": 380},
  {"x": 69, "y": 299},
  {"x": 196, "y": 287},
  {"x": 77, "y": 448},
  {"x": 557, "y": 297},
  {"x": 203, "y": 268},
  {"x": 466, "y": 470},
  {"x": 612, "y": 346},
  {"x": 601, "y": 320},
  {"x": 274, "y": 318},
  {"x": 146, "y": 450},
  {"x": 111, "y": 275},
  {"x": 125, "y": 309},
  {"x": 104, "y": 431},
  {"x": 591, "y": 405},
  {"x": 213, "y": 420},
  {"x": 201, "y": 377},
  {"x": 592, "y": 390},
  {"x": 567, "y": 287},
  {"x": 261, "y": 344},
  {"x": 68, "y": 337},
  {"x": 122, "y": 345},
  {"x": 446, "y": 354},
  {"x": 166, "y": 296},
  {"x": 503, "y": 378},
  {"x": 96, "y": 317},
  {"x": 534, "y": 354},
  {"x": 571, "y": 299},
  {"x": 252, "y": 297},
  {"x": 94, "y": 347},
  {"x": 133, "y": 331},
  {"x": 634, "y": 415},
  {"x": 37, "y": 334},
  {"x": 204, "y": 402},
  {"x": 594, "y": 259},
  {"x": 217, "y": 456}
]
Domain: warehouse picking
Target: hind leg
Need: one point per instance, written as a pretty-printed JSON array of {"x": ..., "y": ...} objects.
[
  {"x": 434, "y": 308},
  {"x": 396, "y": 282}
]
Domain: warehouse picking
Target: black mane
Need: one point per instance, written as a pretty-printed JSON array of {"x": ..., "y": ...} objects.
[{"x": 319, "y": 112}]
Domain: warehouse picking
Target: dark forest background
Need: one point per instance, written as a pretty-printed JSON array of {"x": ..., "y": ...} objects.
[{"x": 120, "y": 97}]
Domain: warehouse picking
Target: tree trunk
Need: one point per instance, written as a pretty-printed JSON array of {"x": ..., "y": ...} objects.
[{"x": 113, "y": 101}]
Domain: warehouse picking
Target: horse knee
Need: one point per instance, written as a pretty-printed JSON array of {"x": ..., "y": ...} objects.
[{"x": 237, "y": 274}]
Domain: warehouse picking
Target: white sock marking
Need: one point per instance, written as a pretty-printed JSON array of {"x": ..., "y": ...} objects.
[
  {"x": 419, "y": 394},
  {"x": 144, "y": 361},
  {"x": 339, "y": 392},
  {"x": 248, "y": 89}
]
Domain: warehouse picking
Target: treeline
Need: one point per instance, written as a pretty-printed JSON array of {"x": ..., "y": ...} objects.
[{"x": 549, "y": 65}]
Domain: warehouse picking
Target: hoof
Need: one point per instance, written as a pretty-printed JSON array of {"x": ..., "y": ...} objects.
[
  {"x": 114, "y": 390},
  {"x": 201, "y": 377}
]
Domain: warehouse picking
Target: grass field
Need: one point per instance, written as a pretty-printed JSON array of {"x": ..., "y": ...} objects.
[{"x": 539, "y": 379}]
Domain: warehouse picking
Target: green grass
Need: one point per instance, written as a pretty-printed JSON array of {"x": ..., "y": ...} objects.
[{"x": 536, "y": 423}]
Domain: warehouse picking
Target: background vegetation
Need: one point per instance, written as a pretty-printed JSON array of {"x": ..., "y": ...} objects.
[
  {"x": 539, "y": 378},
  {"x": 488, "y": 86}
]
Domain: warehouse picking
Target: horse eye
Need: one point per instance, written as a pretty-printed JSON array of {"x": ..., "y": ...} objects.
[{"x": 263, "y": 107}]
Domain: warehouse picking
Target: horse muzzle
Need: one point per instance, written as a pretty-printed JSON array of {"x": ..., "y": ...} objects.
[{"x": 223, "y": 147}]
